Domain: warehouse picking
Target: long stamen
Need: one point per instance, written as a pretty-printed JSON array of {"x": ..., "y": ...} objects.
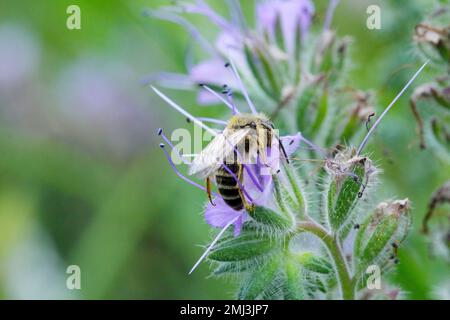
[
  {"x": 228, "y": 104},
  {"x": 329, "y": 15},
  {"x": 213, "y": 243},
  {"x": 313, "y": 146},
  {"x": 237, "y": 181},
  {"x": 241, "y": 86},
  {"x": 162, "y": 135},
  {"x": 178, "y": 173},
  {"x": 183, "y": 112},
  {"x": 229, "y": 94},
  {"x": 253, "y": 178},
  {"x": 212, "y": 120},
  {"x": 375, "y": 125}
]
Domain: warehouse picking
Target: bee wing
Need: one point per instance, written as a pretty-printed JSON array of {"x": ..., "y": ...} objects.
[{"x": 212, "y": 157}]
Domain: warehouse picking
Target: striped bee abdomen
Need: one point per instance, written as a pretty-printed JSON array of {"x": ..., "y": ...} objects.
[{"x": 228, "y": 188}]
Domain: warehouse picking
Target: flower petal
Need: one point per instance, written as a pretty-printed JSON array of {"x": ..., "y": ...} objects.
[
  {"x": 220, "y": 214},
  {"x": 292, "y": 14},
  {"x": 291, "y": 143},
  {"x": 211, "y": 71}
]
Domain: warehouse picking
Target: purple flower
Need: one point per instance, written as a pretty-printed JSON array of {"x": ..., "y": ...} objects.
[
  {"x": 258, "y": 185},
  {"x": 294, "y": 17},
  {"x": 19, "y": 57},
  {"x": 221, "y": 214},
  {"x": 290, "y": 14}
]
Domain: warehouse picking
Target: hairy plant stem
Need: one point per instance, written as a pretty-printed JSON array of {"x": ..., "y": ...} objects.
[{"x": 332, "y": 244}]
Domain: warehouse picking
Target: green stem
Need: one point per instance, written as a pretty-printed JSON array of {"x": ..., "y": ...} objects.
[
  {"x": 279, "y": 197},
  {"x": 332, "y": 244}
]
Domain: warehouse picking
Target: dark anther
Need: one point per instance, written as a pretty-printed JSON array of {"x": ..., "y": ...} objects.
[
  {"x": 162, "y": 145},
  {"x": 188, "y": 120},
  {"x": 227, "y": 65},
  {"x": 394, "y": 245},
  {"x": 225, "y": 86},
  {"x": 392, "y": 257},
  {"x": 360, "y": 194},
  {"x": 356, "y": 226},
  {"x": 368, "y": 120},
  {"x": 278, "y": 171},
  {"x": 396, "y": 261},
  {"x": 291, "y": 142},
  {"x": 159, "y": 131},
  {"x": 201, "y": 84}
]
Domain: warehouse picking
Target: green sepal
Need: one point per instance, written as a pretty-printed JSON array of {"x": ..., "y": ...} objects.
[
  {"x": 270, "y": 218},
  {"x": 343, "y": 195},
  {"x": 230, "y": 267},
  {"x": 379, "y": 239},
  {"x": 315, "y": 263},
  {"x": 293, "y": 288},
  {"x": 305, "y": 100},
  {"x": 242, "y": 248},
  {"x": 260, "y": 279}
]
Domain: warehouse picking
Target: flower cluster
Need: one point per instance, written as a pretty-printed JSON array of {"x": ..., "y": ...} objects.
[{"x": 311, "y": 230}]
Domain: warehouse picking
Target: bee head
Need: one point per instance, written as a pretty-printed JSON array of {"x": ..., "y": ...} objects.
[{"x": 241, "y": 121}]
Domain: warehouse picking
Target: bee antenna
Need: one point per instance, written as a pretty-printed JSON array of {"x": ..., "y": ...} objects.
[{"x": 372, "y": 129}]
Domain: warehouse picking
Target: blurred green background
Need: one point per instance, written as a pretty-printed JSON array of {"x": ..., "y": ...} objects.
[{"x": 83, "y": 181}]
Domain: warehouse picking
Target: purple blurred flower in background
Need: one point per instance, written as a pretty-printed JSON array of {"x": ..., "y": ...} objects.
[
  {"x": 101, "y": 110},
  {"x": 19, "y": 56},
  {"x": 293, "y": 17}
]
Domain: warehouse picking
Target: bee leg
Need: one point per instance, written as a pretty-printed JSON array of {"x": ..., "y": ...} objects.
[
  {"x": 261, "y": 141},
  {"x": 208, "y": 190},
  {"x": 283, "y": 150},
  {"x": 248, "y": 207}
]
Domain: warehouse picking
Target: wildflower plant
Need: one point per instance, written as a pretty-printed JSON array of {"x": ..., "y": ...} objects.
[{"x": 312, "y": 229}]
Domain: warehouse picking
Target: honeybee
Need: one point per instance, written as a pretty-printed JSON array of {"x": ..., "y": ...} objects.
[{"x": 244, "y": 140}]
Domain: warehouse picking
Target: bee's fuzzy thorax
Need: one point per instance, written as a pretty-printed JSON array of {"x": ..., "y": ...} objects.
[{"x": 240, "y": 120}]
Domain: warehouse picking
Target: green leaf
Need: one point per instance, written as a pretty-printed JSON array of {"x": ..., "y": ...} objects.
[
  {"x": 259, "y": 280},
  {"x": 242, "y": 248},
  {"x": 230, "y": 267},
  {"x": 270, "y": 218},
  {"x": 315, "y": 263}
]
